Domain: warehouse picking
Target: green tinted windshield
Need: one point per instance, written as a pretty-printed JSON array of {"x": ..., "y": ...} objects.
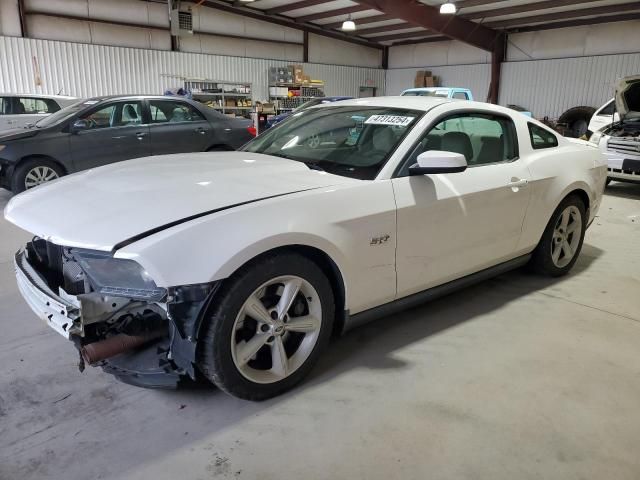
[
  {"x": 350, "y": 141},
  {"x": 64, "y": 114}
]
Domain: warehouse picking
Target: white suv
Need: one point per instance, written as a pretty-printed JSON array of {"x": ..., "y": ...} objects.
[
  {"x": 620, "y": 141},
  {"x": 17, "y": 110}
]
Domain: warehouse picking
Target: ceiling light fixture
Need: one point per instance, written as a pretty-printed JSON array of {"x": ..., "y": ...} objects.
[
  {"x": 448, "y": 8},
  {"x": 348, "y": 25}
]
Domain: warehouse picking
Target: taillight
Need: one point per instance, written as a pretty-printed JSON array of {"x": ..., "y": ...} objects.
[{"x": 252, "y": 131}]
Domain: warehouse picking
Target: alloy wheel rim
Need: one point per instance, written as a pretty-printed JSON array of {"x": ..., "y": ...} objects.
[
  {"x": 39, "y": 175},
  {"x": 566, "y": 236},
  {"x": 314, "y": 141},
  {"x": 276, "y": 329}
]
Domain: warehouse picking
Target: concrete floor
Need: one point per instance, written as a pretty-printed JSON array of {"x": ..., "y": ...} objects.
[{"x": 521, "y": 377}]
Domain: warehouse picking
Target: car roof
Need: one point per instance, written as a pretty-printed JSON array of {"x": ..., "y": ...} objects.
[
  {"x": 38, "y": 95},
  {"x": 410, "y": 103},
  {"x": 133, "y": 95}
]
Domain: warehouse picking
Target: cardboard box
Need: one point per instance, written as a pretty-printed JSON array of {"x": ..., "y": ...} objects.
[
  {"x": 429, "y": 82},
  {"x": 229, "y": 102}
]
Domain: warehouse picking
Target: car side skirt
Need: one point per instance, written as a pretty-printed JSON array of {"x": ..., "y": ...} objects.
[{"x": 353, "y": 321}]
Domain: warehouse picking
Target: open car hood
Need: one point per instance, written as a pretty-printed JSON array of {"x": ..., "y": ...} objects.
[
  {"x": 628, "y": 97},
  {"x": 111, "y": 205}
]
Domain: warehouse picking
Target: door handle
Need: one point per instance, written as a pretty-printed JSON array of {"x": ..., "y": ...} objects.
[
  {"x": 140, "y": 135},
  {"x": 200, "y": 130},
  {"x": 517, "y": 183}
]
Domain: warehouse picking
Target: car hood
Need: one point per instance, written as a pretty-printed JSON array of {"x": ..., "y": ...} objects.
[
  {"x": 112, "y": 205},
  {"x": 17, "y": 134},
  {"x": 628, "y": 97}
]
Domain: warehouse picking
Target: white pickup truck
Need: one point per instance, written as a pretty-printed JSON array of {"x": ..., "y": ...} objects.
[{"x": 620, "y": 139}]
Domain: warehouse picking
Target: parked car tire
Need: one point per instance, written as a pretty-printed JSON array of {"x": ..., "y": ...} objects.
[
  {"x": 33, "y": 172},
  {"x": 577, "y": 120},
  {"x": 267, "y": 329},
  {"x": 562, "y": 239}
]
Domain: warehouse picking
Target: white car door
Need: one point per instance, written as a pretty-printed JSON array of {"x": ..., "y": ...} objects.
[{"x": 452, "y": 225}]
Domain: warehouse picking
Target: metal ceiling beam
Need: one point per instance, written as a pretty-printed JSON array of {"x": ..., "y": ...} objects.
[
  {"x": 295, "y": 6},
  {"x": 439, "y": 38},
  {"x": 429, "y": 17},
  {"x": 331, "y": 13},
  {"x": 579, "y": 22},
  {"x": 386, "y": 28},
  {"x": 287, "y": 22},
  {"x": 571, "y": 14},
  {"x": 402, "y": 36},
  {"x": 529, "y": 7},
  {"x": 361, "y": 21},
  {"x": 476, "y": 3}
]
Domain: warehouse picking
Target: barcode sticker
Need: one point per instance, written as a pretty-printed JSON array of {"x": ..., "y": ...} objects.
[{"x": 389, "y": 120}]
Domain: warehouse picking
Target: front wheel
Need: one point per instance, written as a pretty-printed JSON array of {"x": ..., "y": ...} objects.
[
  {"x": 562, "y": 240},
  {"x": 34, "y": 172},
  {"x": 268, "y": 327}
]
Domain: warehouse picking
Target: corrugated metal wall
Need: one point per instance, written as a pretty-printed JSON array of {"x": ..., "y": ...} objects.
[
  {"x": 85, "y": 70},
  {"x": 475, "y": 77},
  {"x": 549, "y": 87}
]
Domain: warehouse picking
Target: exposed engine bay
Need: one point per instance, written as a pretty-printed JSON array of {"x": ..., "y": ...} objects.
[
  {"x": 624, "y": 129},
  {"x": 140, "y": 333}
]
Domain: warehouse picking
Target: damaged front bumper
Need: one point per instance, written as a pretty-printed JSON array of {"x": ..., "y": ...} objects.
[{"x": 170, "y": 328}]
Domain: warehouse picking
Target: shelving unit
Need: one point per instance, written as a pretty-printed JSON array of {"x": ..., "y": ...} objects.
[
  {"x": 303, "y": 93},
  {"x": 226, "y": 97}
]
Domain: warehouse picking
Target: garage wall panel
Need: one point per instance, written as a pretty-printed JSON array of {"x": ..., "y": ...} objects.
[
  {"x": 330, "y": 51},
  {"x": 602, "y": 39},
  {"x": 9, "y": 18},
  {"x": 87, "y": 70},
  {"x": 436, "y": 53},
  {"x": 475, "y": 77},
  {"x": 549, "y": 87}
]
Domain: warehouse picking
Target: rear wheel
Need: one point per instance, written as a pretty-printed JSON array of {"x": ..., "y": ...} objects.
[
  {"x": 562, "y": 240},
  {"x": 268, "y": 328},
  {"x": 34, "y": 172}
]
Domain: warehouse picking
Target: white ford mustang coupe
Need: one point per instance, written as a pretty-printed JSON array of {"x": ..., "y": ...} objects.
[{"x": 239, "y": 266}]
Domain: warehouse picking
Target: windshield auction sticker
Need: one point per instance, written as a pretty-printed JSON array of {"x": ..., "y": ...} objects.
[{"x": 389, "y": 120}]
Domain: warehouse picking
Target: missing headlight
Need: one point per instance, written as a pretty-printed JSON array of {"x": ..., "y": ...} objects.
[{"x": 118, "y": 277}]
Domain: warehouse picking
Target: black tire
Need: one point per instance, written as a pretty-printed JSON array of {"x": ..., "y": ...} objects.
[
  {"x": 219, "y": 148},
  {"x": 214, "y": 356},
  {"x": 22, "y": 170},
  {"x": 577, "y": 121},
  {"x": 541, "y": 261}
]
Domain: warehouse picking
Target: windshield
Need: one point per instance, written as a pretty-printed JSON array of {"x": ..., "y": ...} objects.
[
  {"x": 425, "y": 93},
  {"x": 64, "y": 114},
  {"x": 352, "y": 141}
]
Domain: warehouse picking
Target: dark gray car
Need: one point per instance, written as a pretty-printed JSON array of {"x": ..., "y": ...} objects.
[{"x": 104, "y": 130}]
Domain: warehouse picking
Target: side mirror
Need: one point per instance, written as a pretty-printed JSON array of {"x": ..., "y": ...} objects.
[
  {"x": 79, "y": 125},
  {"x": 436, "y": 161}
]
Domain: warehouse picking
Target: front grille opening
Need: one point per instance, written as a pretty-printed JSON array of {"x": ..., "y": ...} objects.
[{"x": 56, "y": 266}]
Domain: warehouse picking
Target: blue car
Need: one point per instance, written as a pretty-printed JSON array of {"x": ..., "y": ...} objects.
[{"x": 316, "y": 101}]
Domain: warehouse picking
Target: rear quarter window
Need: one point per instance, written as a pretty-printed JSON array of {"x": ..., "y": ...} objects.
[{"x": 541, "y": 137}]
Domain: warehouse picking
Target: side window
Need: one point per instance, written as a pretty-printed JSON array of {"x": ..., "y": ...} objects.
[
  {"x": 5, "y": 106},
  {"x": 461, "y": 95},
  {"x": 33, "y": 106},
  {"x": 609, "y": 108},
  {"x": 541, "y": 137},
  {"x": 168, "y": 111},
  {"x": 482, "y": 139},
  {"x": 115, "y": 115}
]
